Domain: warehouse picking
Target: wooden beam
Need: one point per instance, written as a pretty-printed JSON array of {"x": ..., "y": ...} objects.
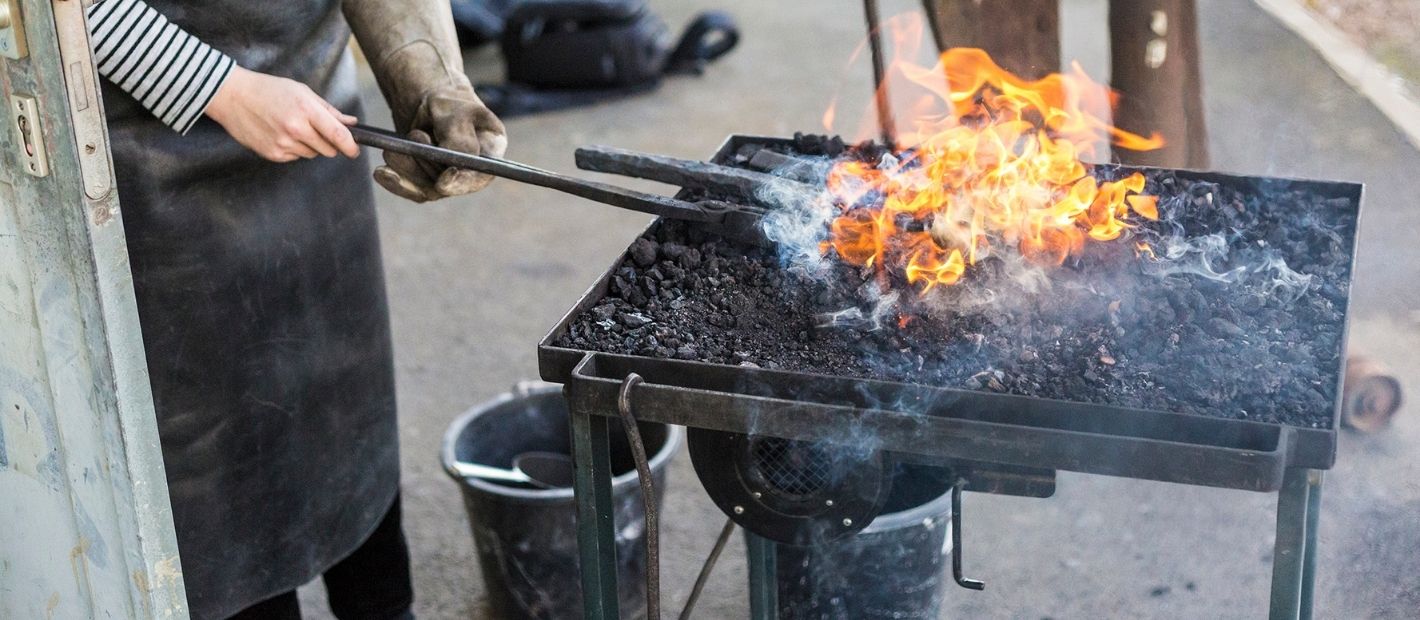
[
  {"x": 1155, "y": 67},
  {"x": 1023, "y": 36}
]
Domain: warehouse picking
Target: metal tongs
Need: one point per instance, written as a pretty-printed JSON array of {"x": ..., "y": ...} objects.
[{"x": 727, "y": 218}]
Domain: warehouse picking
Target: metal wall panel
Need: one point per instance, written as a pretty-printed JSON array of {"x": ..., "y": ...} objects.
[{"x": 85, "y": 523}]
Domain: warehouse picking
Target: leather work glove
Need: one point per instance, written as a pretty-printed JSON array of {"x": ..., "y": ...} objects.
[{"x": 414, "y": 54}]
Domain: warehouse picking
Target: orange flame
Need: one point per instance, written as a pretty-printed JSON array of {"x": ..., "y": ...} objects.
[
  {"x": 993, "y": 159},
  {"x": 1143, "y": 249}
]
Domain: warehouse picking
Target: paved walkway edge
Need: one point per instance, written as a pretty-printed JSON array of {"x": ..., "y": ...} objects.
[{"x": 1369, "y": 77}]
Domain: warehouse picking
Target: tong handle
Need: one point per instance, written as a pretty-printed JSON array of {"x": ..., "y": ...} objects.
[
  {"x": 474, "y": 470},
  {"x": 624, "y": 198}
]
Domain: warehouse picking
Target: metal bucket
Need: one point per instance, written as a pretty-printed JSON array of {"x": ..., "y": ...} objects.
[
  {"x": 527, "y": 537},
  {"x": 894, "y": 568}
]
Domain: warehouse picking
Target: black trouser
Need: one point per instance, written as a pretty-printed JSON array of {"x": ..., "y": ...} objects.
[{"x": 372, "y": 583}]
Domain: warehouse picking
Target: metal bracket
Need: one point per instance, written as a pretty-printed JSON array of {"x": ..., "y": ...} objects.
[
  {"x": 12, "y": 31},
  {"x": 970, "y": 584},
  {"x": 24, "y": 117}
]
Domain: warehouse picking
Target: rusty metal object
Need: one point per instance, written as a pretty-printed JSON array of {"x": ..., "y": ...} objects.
[{"x": 1370, "y": 395}]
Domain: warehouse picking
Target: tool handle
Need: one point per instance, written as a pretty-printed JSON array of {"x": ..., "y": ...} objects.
[
  {"x": 600, "y": 192},
  {"x": 474, "y": 470}
]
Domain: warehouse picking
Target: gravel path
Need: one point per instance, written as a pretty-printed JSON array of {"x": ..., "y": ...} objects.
[{"x": 1385, "y": 28}]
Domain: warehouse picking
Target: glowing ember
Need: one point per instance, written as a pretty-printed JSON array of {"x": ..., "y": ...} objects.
[{"x": 993, "y": 161}]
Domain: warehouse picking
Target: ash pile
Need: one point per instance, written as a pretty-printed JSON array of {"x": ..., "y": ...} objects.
[{"x": 1229, "y": 303}]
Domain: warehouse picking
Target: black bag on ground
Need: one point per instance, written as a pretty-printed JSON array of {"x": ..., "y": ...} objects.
[
  {"x": 563, "y": 53},
  {"x": 583, "y": 44},
  {"x": 479, "y": 21}
]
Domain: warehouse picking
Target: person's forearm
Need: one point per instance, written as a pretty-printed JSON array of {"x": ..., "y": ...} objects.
[
  {"x": 179, "y": 78},
  {"x": 411, "y": 46},
  {"x": 167, "y": 70},
  {"x": 414, "y": 54}
]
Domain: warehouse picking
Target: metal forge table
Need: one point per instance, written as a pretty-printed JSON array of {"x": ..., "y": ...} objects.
[{"x": 1005, "y": 443}]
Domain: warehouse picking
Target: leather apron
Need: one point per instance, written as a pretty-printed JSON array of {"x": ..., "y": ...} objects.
[{"x": 262, "y": 302}]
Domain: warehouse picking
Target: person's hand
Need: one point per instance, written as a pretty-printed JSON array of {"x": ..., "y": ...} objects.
[
  {"x": 453, "y": 118},
  {"x": 279, "y": 119},
  {"x": 414, "y": 54}
]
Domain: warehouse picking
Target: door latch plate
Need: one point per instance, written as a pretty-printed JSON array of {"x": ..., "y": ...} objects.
[
  {"x": 12, "y": 30},
  {"x": 29, "y": 143}
]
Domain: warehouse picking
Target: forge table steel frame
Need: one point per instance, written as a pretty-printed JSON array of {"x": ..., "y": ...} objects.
[
  {"x": 1293, "y": 564},
  {"x": 937, "y": 426}
]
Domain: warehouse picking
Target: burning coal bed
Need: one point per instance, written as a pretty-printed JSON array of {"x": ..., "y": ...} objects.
[{"x": 1229, "y": 304}]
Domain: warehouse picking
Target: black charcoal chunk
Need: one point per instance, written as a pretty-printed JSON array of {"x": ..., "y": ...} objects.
[
  {"x": 634, "y": 319},
  {"x": 643, "y": 252}
]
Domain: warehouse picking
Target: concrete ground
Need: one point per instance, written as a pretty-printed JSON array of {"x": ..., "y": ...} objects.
[{"x": 475, "y": 282}]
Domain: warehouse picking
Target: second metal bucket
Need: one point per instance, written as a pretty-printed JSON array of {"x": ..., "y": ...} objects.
[
  {"x": 527, "y": 537},
  {"x": 894, "y": 568}
]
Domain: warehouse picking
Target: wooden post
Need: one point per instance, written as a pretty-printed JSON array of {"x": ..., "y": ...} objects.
[
  {"x": 1023, "y": 36},
  {"x": 1154, "y": 55}
]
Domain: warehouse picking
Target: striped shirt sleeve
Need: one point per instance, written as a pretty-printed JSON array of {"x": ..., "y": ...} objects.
[{"x": 169, "y": 72}]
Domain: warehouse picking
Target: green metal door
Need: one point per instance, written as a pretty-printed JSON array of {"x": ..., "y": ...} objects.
[{"x": 85, "y": 525}]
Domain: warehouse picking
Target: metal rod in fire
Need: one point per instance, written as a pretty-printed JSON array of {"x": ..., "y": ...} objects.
[{"x": 880, "y": 89}]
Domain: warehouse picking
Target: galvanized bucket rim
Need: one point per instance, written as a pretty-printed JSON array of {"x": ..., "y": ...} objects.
[
  {"x": 675, "y": 437},
  {"x": 937, "y": 507}
]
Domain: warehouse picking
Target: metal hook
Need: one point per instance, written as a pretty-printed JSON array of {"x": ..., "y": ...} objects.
[
  {"x": 970, "y": 584},
  {"x": 648, "y": 497},
  {"x": 623, "y": 398}
]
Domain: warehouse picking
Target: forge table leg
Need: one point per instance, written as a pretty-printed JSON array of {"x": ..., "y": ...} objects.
[
  {"x": 1296, "y": 540},
  {"x": 763, "y": 582},
  {"x": 595, "y": 532},
  {"x": 1309, "y": 555}
]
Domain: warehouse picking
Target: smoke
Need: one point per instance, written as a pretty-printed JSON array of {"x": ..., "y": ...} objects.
[
  {"x": 1285, "y": 283},
  {"x": 1003, "y": 279},
  {"x": 1196, "y": 256},
  {"x": 1222, "y": 263},
  {"x": 881, "y": 308},
  {"x": 797, "y": 221},
  {"x": 1259, "y": 269}
]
